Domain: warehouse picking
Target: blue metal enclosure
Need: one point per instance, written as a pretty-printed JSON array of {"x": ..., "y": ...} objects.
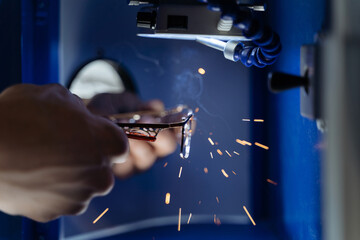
[{"x": 60, "y": 36}]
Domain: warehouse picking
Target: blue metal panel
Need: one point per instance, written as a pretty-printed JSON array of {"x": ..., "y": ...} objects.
[
  {"x": 40, "y": 65},
  {"x": 10, "y": 69},
  {"x": 296, "y": 144},
  {"x": 40, "y": 41}
]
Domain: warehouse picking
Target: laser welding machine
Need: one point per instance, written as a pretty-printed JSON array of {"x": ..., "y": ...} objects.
[{"x": 304, "y": 186}]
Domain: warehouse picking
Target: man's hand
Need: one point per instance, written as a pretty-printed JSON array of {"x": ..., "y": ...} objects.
[
  {"x": 54, "y": 154},
  {"x": 142, "y": 154}
]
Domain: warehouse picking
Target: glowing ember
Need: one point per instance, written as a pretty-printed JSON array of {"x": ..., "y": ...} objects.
[
  {"x": 206, "y": 170},
  {"x": 217, "y": 199},
  {"x": 180, "y": 172},
  {"x": 219, "y": 152},
  {"x": 167, "y": 199},
  {"x": 165, "y": 164},
  {"x": 246, "y": 120},
  {"x": 211, "y": 141},
  {"x": 228, "y": 153},
  {"x": 211, "y": 155},
  {"x": 225, "y": 174},
  {"x": 262, "y": 146},
  {"x": 234, "y": 172},
  {"x": 201, "y": 71},
  {"x": 189, "y": 218},
  {"x": 258, "y": 120},
  {"x": 197, "y": 110},
  {"x": 252, "y": 220},
  {"x": 272, "y": 182},
  {"x": 237, "y": 153},
  {"x": 97, "y": 219},
  {"x": 179, "y": 221}
]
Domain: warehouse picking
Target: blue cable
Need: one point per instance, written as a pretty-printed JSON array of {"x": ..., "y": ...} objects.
[{"x": 265, "y": 45}]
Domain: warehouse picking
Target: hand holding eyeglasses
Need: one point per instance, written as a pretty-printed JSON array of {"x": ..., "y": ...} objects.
[{"x": 145, "y": 121}]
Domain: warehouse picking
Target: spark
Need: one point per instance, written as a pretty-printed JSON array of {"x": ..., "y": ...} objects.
[
  {"x": 180, "y": 172},
  {"x": 246, "y": 120},
  {"x": 199, "y": 202},
  {"x": 228, "y": 153},
  {"x": 262, "y": 146},
  {"x": 216, "y": 143},
  {"x": 237, "y": 153},
  {"x": 97, "y": 219},
  {"x": 252, "y": 220},
  {"x": 165, "y": 164},
  {"x": 197, "y": 110},
  {"x": 217, "y": 199},
  {"x": 247, "y": 143},
  {"x": 167, "y": 199},
  {"x": 206, "y": 170},
  {"x": 258, "y": 120},
  {"x": 179, "y": 221},
  {"x": 216, "y": 220},
  {"x": 272, "y": 182},
  {"x": 225, "y": 174},
  {"x": 189, "y": 218},
  {"x": 219, "y": 152},
  {"x": 234, "y": 172},
  {"x": 211, "y": 155},
  {"x": 211, "y": 141},
  {"x": 243, "y": 142},
  {"x": 210, "y": 133},
  {"x": 201, "y": 71}
]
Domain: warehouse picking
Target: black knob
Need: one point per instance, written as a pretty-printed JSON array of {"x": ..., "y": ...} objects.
[
  {"x": 146, "y": 20},
  {"x": 281, "y": 81}
]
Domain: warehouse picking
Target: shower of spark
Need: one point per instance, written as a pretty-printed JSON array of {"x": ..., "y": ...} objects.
[
  {"x": 100, "y": 216},
  {"x": 252, "y": 220},
  {"x": 272, "y": 182},
  {"x": 179, "y": 221},
  {"x": 188, "y": 221},
  {"x": 224, "y": 173},
  {"x": 243, "y": 142},
  {"x": 228, "y": 153},
  {"x": 180, "y": 171},
  {"x": 167, "y": 199},
  {"x": 211, "y": 141},
  {"x": 262, "y": 146},
  {"x": 201, "y": 71}
]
